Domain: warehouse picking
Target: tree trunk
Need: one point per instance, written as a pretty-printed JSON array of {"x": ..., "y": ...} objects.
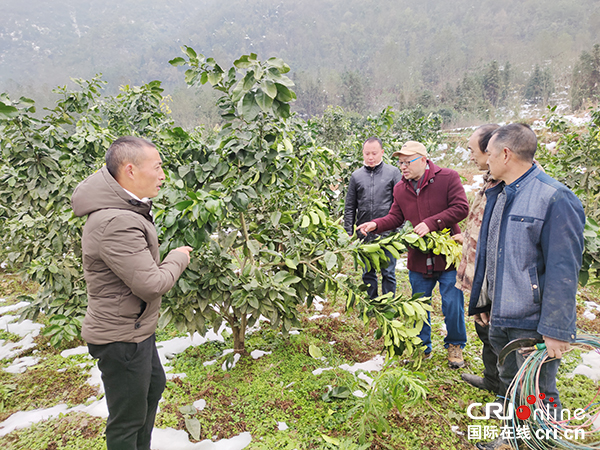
[{"x": 239, "y": 337}]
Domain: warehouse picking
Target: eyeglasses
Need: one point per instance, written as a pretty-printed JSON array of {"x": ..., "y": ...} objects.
[{"x": 407, "y": 163}]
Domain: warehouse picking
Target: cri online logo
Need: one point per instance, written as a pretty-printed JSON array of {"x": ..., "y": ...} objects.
[{"x": 523, "y": 412}]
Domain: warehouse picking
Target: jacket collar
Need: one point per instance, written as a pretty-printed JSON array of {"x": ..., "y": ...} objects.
[{"x": 375, "y": 169}]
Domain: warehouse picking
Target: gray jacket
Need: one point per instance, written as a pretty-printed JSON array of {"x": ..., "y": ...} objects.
[
  {"x": 125, "y": 278},
  {"x": 370, "y": 194},
  {"x": 539, "y": 256}
]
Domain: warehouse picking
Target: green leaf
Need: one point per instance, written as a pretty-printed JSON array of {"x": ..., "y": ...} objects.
[
  {"x": 269, "y": 88},
  {"x": 315, "y": 351},
  {"x": 188, "y": 409},
  {"x": 275, "y": 218},
  {"x": 250, "y": 108},
  {"x": 179, "y": 61},
  {"x": 193, "y": 426},
  {"x": 183, "y": 205},
  {"x": 253, "y": 246},
  {"x": 331, "y": 440},
  {"x": 330, "y": 260},
  {"x": 264, "y": 101},
  {"x": 214, "y": 78},
  {"x": 8, "y": 111},
  {"x": 291, "y": 264},
  {"x": 242, "y": 62},
  {"x": 190, "y": 52},
  {"x": 284, "y": 94},
  {"x": 305, "y": 221}
]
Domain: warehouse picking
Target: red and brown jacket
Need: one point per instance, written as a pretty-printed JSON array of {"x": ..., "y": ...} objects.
[{"x": 441, "y": 203}]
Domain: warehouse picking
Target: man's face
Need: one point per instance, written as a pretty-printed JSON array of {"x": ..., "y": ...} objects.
[
  {"x": 495, "y": 159},
  {"x": 477, "y": 156},
  {"x": 413, "y": 166},
  {"x": 372, "y": 153},
  {"x": 148, "y": 176}
]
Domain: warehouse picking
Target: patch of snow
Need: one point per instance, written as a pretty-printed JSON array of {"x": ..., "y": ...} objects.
[
  {"x": 81, "y": 350},
  {"x": 317, "y": 316},
  {"x": 14, "y": 307},
  {"x": 20, "y": 365},
  {"x": 199, "y": 404},
  {"x": 589, "y": 315},
  {"x": 367, "y": 378},
  {"x": 321, "y": 370},
  {"x": 464, "y": 153},
  {"x": 236, "y": 358},
  {"x": 95, "y": 378},
  {"x": 456, "y": 429},
  {"x": 258, "y": 353},
  {"x": 401, "y": 264},
  {"x": 318, "y": 303},
  {"x": 170, "y": 376},
  {"x": 170, "y": 439},
  {"x": 477, "y": 183},
  {"x": 590, "y": 366},
  {"x": 373, "y": 365}
]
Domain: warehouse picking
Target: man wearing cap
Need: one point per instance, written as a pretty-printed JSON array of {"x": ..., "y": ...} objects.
[
  {"x": 431, "y": 198},
  {"x": 370, "y": 195}
]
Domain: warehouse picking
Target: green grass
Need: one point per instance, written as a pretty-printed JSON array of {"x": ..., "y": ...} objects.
[{"x": 279, "y": 387}]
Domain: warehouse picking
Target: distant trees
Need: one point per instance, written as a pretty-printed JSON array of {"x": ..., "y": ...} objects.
[
  {"x": 586, "y": 78},
  {"x": 540, "y": 86}
]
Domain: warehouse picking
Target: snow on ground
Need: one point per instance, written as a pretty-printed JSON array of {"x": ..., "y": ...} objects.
[
  {"x": 27, "y": 329},
  {"x": 162, "y": 439},
  {"x": 590, "y": 366},
  {"x": 464, "y": 153},
  {"x": 477, "y": 183},
  {"x": 171, "y": 439},
  {"x": 589, "y": 307}
]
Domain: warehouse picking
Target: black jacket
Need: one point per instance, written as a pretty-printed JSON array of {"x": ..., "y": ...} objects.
[{"x": 370, "y": 194}]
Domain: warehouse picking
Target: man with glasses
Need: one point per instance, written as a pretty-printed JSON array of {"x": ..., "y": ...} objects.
[
  {"x": 431, "y": 198},
  {"x": 370, "y": 195}
]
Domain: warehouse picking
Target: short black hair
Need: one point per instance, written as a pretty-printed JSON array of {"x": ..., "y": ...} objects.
[
  {"x": 485, "y": 134},
  {"x": 126, "y": 149},
  {"x": 373, "y": 139},
  {"x": 519, "y": 138}
]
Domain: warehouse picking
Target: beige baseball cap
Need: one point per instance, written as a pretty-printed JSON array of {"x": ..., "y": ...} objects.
[{"x": 411, "y": 148}]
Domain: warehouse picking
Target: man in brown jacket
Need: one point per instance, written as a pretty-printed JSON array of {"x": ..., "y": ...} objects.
[{"x": 125, "y": 282}]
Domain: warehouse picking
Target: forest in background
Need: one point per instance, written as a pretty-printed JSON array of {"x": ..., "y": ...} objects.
[{"x": 467, "y": 60}]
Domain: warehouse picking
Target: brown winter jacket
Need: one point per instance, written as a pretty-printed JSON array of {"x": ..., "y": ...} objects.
[{"x": 125, "y": 278}]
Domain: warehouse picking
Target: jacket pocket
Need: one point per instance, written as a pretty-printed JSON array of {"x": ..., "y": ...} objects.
[
  {"x": 524, "y": 219},
  {"x": 130, "y": 306},
  {"x": 535, "y": 284}
]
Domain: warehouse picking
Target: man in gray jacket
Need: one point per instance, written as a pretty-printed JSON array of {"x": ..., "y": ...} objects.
[
  {"x": 125, "y": 282},
  {"x": 370, "y": 196}
]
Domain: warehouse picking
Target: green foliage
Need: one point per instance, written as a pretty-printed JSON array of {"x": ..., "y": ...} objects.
[
  {"x": 264, "y": 249},
  {"x": 42, "y": 161},
  {"x": 392, "y": 387},
  {"x": 577, "y": 164}
]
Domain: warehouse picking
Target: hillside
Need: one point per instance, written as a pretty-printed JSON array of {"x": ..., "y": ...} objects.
[{"x": 358, "y": 54}]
